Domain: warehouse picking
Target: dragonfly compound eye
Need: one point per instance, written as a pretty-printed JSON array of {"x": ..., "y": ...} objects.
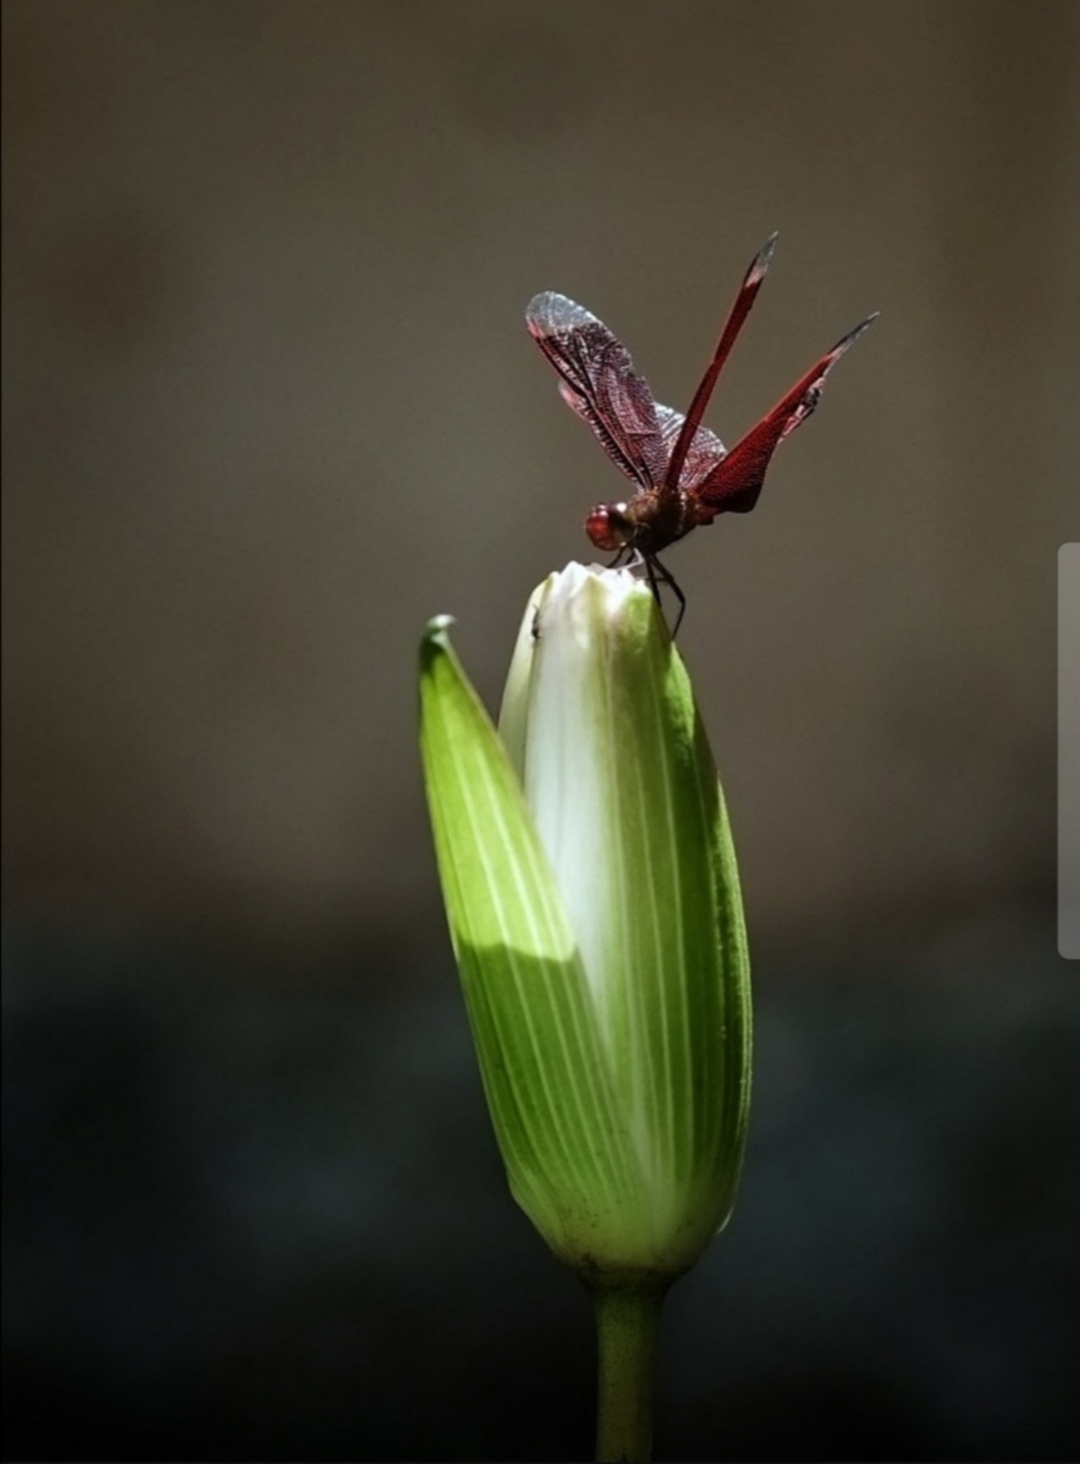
[{"x": 607, "y": 528}]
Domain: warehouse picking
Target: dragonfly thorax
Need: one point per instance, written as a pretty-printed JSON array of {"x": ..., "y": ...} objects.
[{"x": 650, "y": 521}]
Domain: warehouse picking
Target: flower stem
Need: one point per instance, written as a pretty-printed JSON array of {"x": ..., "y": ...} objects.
[{"x": 627, "y": 1324}]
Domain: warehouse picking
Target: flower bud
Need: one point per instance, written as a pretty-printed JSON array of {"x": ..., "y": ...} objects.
[{"x": 593, "y": 900}]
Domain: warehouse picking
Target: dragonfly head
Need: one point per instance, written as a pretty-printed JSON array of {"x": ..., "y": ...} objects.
[{"x": 609, "y": 527}]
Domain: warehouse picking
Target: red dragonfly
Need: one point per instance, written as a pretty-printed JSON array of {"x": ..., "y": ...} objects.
[{"x": 684, "y": 474}]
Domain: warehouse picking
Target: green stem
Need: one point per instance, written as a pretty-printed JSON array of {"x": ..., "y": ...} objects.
[{"x": 627, "y": 1324}]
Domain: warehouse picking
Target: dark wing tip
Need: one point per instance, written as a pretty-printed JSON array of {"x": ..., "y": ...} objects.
[
  {"x": 761, "y": 261},
  {"x": 848, "y": 341},
  {"x": 853, "y": 335}
]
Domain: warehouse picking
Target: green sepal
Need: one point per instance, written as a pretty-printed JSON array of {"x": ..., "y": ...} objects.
[{"x": 568, "y": 1154}]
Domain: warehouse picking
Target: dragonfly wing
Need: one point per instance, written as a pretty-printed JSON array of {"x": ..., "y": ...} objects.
[
  {"x": 740, "y": 309},
  {"x": 704, "y": 453},
  {"x": 734, "y": 484},
  {"x": 599, "y": 383}
]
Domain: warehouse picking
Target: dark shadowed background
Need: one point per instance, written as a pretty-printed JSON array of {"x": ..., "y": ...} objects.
[{"x": 270, "y": 404}]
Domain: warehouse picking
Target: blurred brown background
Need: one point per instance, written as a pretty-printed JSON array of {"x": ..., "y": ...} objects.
[{"x": 270, "y": 404}]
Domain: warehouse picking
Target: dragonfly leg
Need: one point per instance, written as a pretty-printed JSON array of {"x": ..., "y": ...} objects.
[
  {"x": 658, "y": 572},
  {"x": 654, "y": 583}
]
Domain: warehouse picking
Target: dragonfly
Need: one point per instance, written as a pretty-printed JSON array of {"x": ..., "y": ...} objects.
[{"x": 684, "y": 474}]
